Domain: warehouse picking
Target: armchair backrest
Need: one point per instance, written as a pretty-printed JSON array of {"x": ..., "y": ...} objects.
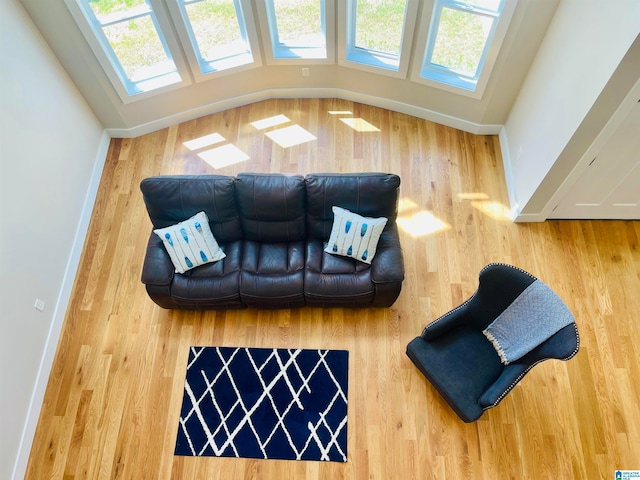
[
  {"x": 499, "y": 285},
  {"x": 522, "y": 316}
]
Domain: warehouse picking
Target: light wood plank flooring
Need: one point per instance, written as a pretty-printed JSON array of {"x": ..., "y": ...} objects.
[{"x": 112, "y": 405}]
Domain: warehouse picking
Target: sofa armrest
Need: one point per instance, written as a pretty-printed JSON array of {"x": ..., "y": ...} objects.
[
  {"x": 157, "y": 268},
  {"x": 388, "y": 264},
  {"x": 387, "y": 268}
]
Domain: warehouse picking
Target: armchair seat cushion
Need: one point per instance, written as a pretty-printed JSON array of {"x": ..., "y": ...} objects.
[{"x": 460, "y": 366}]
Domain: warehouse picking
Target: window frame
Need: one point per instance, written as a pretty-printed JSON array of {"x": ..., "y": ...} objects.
[
  {"x": 445, "y": 79},
  {"x": 128, "y": 90},
  {"x": 204, "y": 70},
  {"x": 371, "y": 60},
  {"x": 281, "y": 55}
]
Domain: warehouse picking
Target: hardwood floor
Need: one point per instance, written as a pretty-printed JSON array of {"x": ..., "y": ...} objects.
[{"x": 112, "y": 405}]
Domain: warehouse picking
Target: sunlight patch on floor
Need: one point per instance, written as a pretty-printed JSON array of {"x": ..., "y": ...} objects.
[
  {"x": 421, "y": 224},
  {"x": 405, "y": 204},
  {"x": 480, "y": 201},
  {"x": 472, "y": 196},
  {"x": 495, "y": 210},
  {"x": 204, "y": 141},
  {"x": 416, "y": 221},
  {"x": 290, "y": 136},
  {"x": 359, "y": 125},
  {"x": 270, "y": 122},
  {"x": 224, "y": 156}
]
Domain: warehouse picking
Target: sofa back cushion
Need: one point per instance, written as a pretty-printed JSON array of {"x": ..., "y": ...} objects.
[
  {"x": 172, "y": 199},
  {"x": 367, "y": 194},
  {"x": 272, "y": 207}
]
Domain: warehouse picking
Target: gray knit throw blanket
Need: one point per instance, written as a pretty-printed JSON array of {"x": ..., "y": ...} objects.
[{"x": 532, "y": 318}]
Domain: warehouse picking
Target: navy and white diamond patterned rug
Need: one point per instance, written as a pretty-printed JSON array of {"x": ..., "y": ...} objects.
[{"x": 265, "y": 403}]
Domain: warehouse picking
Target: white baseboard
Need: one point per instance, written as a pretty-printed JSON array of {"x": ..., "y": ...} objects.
[
  {"x": 515, "y": 207},
  {"x": 459, "y": 123},
  {"x": 508, "y": 173},
  {"x": 59, "y": 312},
  {"x": 529, "y": 217}
]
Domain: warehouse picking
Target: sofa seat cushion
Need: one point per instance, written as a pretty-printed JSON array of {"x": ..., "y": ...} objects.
[
  {"x": 210, "y": 284},
  {"x": 335, "y": 280},
  {"x": 272, "y": 274}
]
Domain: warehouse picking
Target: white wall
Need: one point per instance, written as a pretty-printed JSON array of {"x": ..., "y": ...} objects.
[
  {"x": 51, "y": 153},
  {"x": 585, "y": 44}
]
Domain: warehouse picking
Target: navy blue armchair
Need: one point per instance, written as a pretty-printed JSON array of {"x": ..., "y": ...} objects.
[{"x": 476, "y": 353}]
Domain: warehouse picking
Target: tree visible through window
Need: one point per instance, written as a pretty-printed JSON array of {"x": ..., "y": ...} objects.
[
  {"x": 134, "y": 39},
  {"x": 459, "y": 39},
  {"x": 131, "y": 38},
  {"x": 217, "y": 32},
  {"x": 375, "y": 33},
  {"x": 379, "y": 25},
  {"x": 298, "y": 28}
]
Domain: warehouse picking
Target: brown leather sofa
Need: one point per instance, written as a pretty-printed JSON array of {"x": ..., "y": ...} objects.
[{"x": 273, "y": 229}]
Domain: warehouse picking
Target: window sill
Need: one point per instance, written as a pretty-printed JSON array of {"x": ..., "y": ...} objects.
[
  {"x": 222, "y": 64},
  {"x": 450, "y": 82},
  {"x": 300, "y": 53},
  {"x": 372, "y": 60},
  {"x": 450, "y": 78}
]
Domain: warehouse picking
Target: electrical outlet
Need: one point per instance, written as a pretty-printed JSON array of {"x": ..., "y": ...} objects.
[
  {"x": 305, "y": 72},
  {"x": 39, "y": 305}
]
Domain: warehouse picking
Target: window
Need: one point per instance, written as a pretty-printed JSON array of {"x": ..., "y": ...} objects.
[
  {"x": 377, "y": 31},
  {"x": 298, "y": 29},
  {"x": 217, "y": 32},
  {"x": 127, "y": 38},
  {"x": 150, "y": 46},
  {"x": 463, "y": 42}
]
